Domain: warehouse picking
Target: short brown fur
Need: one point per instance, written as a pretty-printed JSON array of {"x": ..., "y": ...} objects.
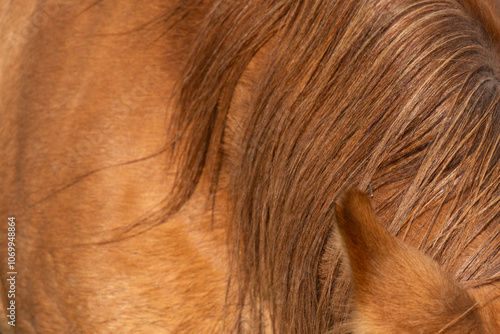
[
  {"x": 397, "y": 289},
  {"x": 215, "y": 213}
]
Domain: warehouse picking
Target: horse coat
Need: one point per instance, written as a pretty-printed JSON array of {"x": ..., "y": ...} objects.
[{"x": 184, "y": 166}]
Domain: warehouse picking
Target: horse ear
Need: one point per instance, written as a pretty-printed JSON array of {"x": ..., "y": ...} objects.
[{"x": 397, "y": 289}]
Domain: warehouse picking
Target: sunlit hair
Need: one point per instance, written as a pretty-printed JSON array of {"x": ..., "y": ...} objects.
[{"x": 402, "y": 95}]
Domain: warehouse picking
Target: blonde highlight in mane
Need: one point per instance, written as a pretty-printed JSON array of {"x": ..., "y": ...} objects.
[{"x": 402, "y": 95}]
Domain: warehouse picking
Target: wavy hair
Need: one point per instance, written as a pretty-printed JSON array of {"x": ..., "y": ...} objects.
[{"x": 399, "y": 95}]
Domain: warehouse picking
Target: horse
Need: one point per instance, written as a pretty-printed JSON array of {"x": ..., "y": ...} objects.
[{"x": 216, "y": 166}]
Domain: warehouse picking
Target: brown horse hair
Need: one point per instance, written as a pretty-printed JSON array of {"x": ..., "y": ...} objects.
[{"x": 403, "y": 95}]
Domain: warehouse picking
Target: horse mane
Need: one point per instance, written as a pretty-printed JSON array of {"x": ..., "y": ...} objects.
[{"x": 403, "y": 96}]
